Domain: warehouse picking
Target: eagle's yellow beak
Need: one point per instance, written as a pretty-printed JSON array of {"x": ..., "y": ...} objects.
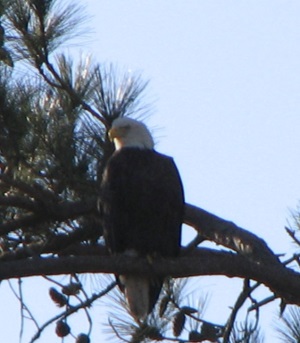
[
  {"x": 118, "y": 132},
  {"x": 113, "y": 133}
]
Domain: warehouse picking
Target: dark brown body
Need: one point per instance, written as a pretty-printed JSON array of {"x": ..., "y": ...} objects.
[{"x": 142, "y": 206}]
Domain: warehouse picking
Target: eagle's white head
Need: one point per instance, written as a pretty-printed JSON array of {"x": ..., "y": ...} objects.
[{"x": 126, "y": 132}]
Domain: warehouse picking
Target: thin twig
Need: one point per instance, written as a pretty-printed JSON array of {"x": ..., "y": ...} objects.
[
  {"x": 238, "y": 304},
  {"x": 292, "y": 234},
  {"x": 53, "y": 281},
  {"x": 68, "y": 89},
  {"x": 261, "y": 303},
  {"x": 21, "y": 307},
  {"x": 24, "y": 306},
  {"x": 89, "y": 318},
  {"x": 82, "y": 289},
  {"x": 73, "y": 309}
]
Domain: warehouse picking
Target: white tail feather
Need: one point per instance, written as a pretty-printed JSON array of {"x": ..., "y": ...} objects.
[{"x": 137, "y": 295}]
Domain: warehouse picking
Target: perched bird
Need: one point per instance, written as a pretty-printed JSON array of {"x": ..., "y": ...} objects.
[{"x": 142, "y": 206}]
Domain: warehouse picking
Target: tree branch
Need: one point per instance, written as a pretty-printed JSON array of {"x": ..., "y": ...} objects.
[
  {"x": 49, "y": 212},
  {"x": 228, "y": 234},
  {"x": 253, "y": 261},
  {"x": 19, "y": 202},
  {"x": 35, "y": 190},
  {"x": 247, "y": 289},
  {"x": 282, "y": 281},
  {"x": 208, "y": 225},
  {"x": 73, "y": 309}
]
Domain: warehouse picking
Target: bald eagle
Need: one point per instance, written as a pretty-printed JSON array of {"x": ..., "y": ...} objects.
[{"x": 142, "y": 208}]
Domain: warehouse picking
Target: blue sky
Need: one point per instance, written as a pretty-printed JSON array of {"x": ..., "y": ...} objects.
[{"x": 224, "y": 77}]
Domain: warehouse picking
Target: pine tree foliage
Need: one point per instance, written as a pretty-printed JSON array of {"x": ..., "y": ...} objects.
[
  {"x": 246, "y": 333},
  {"x": 54, "y": 114},
  {"x": 53, "y": 122},
  {"x": 289, "y": 328},
  {"x": 54, "y": 117}
]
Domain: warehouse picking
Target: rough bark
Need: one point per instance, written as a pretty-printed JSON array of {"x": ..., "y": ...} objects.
[
  {"x": 283, "y": 281},
  {"x": 250, "y": 258}
]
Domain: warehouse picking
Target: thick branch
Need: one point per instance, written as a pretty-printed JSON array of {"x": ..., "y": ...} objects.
[
  {"x": 19, "y": 202},
  {"x": 208, "y": 225},
  {"x": 35, "y": 191},
  {"x": 282, "y": 281},
  {"x": 253, "y": 261},
  {"x": 228, "y": 234},
  {"x": 49, "y": 212}
]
